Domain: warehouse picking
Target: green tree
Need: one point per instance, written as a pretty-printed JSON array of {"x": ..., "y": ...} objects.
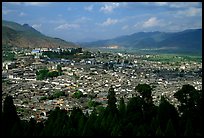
[
  {"x": 59, "y": 69},
  {"x": 55, "y": 123},
  {"x": 189, "y": 97},
  {"x": 145, "y": 90},
  {"x": 89, "y": 128},
  {"x": 9, "y": 110},
  {"x": 154, "y": 125},
  {"x": 190, "y": 106},
  {"x": 189, "y": 130},
  {"x": 170, "y": 131},
  {"x": 115, "y": 131},
  {"x": 134, "y": 111},
  {"x": 122, "y": 107},
  {"x": 142, "y": 130},
  {"x": 128, "y": 130},
  {"x": 9, "y": 115},
  {"x": 93, "y": 103},
  {"x": 42, "y": 74},
  {"x": 159, "y": 132},
  {"x": 32, "y": 128},
  {"x": 112, "y": 100},
  {"x": 78, "y": 94},
  {"x": 75, "y": 117},
  {"x": 167, "y": 111}
]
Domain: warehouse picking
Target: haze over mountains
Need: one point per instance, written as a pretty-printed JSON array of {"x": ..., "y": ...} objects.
[
  {"x": 26, "y": 36},
  {"x": 186, "y": 41}
]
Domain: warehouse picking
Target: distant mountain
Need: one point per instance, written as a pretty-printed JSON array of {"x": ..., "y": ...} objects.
[
  {"x": 186, "y": 41},
  {"x": 18, "y": 35}
]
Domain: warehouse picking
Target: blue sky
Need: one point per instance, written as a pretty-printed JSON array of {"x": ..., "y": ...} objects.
[{"x": 88, "y": 21}]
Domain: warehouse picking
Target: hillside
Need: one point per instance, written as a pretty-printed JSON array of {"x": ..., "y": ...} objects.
[
  {"x": 18, "y": 35},
  {"x": 186, "y": 41}
]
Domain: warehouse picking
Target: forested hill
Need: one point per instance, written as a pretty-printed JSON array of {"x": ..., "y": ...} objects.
[
  {"x": 15, "y": 34},
  {"x": 187, "y": 40}
]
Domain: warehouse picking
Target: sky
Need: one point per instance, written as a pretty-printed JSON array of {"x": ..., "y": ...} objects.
[{"x": 90, "y": 21}]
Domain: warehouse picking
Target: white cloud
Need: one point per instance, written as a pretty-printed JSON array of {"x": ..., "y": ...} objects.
[
  {"x": 151, "y": 22},
  {"x": 37, "y": 26},
  {"x": 29, "y": 3},
  {"x": 67, "y": 26},
  {"x": 89, "y": 8},
  {"x": 182, "y": 4},
  {"x": 125, "y": 27},
  {"x": 82, "y": 20},
  {"x": 22, "y": 14},
  {"x": 137, "y": 24},
  {"x": 36, "y": 3},
  {"x": 109, "y": 21},
  {"x": 14, "y": 3},
  {"x": 191, "y": 12},
  {"x": 174, "y": 4},
  {"x": 161, "y": 3},
  {"x": 108, "y": 8}
]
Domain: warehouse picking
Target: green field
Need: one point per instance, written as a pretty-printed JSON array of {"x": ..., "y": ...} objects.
[
  {"x": 158, "y": 56},
  {"x": 174, "y": 58}
]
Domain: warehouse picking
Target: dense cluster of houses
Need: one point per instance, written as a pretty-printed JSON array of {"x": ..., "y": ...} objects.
[{"x": 93, "y": 79}]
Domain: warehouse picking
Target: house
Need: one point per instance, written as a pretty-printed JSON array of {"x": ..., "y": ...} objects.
[
  {"x": 9, "y": 65},
  {"x": 35, "y": 51}
]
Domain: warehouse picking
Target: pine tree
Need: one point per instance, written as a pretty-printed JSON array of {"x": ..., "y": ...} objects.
[
  {"x": 167, "y": 111},
  {"x": 122, "y": 108},
  {"x": 134, "y": 111},
  {"x": 112, "y": 101},
  {"x": 128, "y": 130},
  {"x": 189, "y": 129},
  {"x": 9, "y": 110},
  {"x": 89, "y": 127},
  {"x": 32, "y": 127},
  {"x": 159, "y": 132},
  {"x": 142, "y": 131},
  {"x": 81, "y": 125},
  {"x": 170, "y": 131},
  {"x": 9, "y": 116},
  {"x": 154, "y": 125},
  {"x": 145, "y": 91},
  {"x": 115, "y": 131}
]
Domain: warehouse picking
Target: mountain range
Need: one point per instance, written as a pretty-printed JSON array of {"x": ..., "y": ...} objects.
[
  {"x": 185, "y": 41},
  {"x": 15, "y": 34}
]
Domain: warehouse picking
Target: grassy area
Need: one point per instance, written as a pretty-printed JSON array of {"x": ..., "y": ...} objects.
[
  {"x": 160, "y": 57},
  {"x": 174, "y": 58}
]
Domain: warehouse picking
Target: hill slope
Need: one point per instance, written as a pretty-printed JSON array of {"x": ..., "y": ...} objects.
[
  {"x": 18, "y": 35},
  {"x": 188, "y": 40}
]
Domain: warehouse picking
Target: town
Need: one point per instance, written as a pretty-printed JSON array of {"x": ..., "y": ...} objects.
[{"x": 41, "y": 79}]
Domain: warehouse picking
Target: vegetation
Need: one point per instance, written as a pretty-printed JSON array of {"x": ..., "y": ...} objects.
[
  {"x": 7, "y": 55},
  {"x": 55, "y": 95},
  {"x": 45, "y": 73},
  {"x": 72, "y": 54},
  {"x": 78, "y": 94},
  {"x": 166, "y": 58},
  {"x": 92, "y": 103},
  {"x": 139, "y": 117},
  {"x": 20, "y": 35}
]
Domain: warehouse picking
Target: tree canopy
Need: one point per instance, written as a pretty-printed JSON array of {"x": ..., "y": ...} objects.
[{"x": 137, "y": 117}]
